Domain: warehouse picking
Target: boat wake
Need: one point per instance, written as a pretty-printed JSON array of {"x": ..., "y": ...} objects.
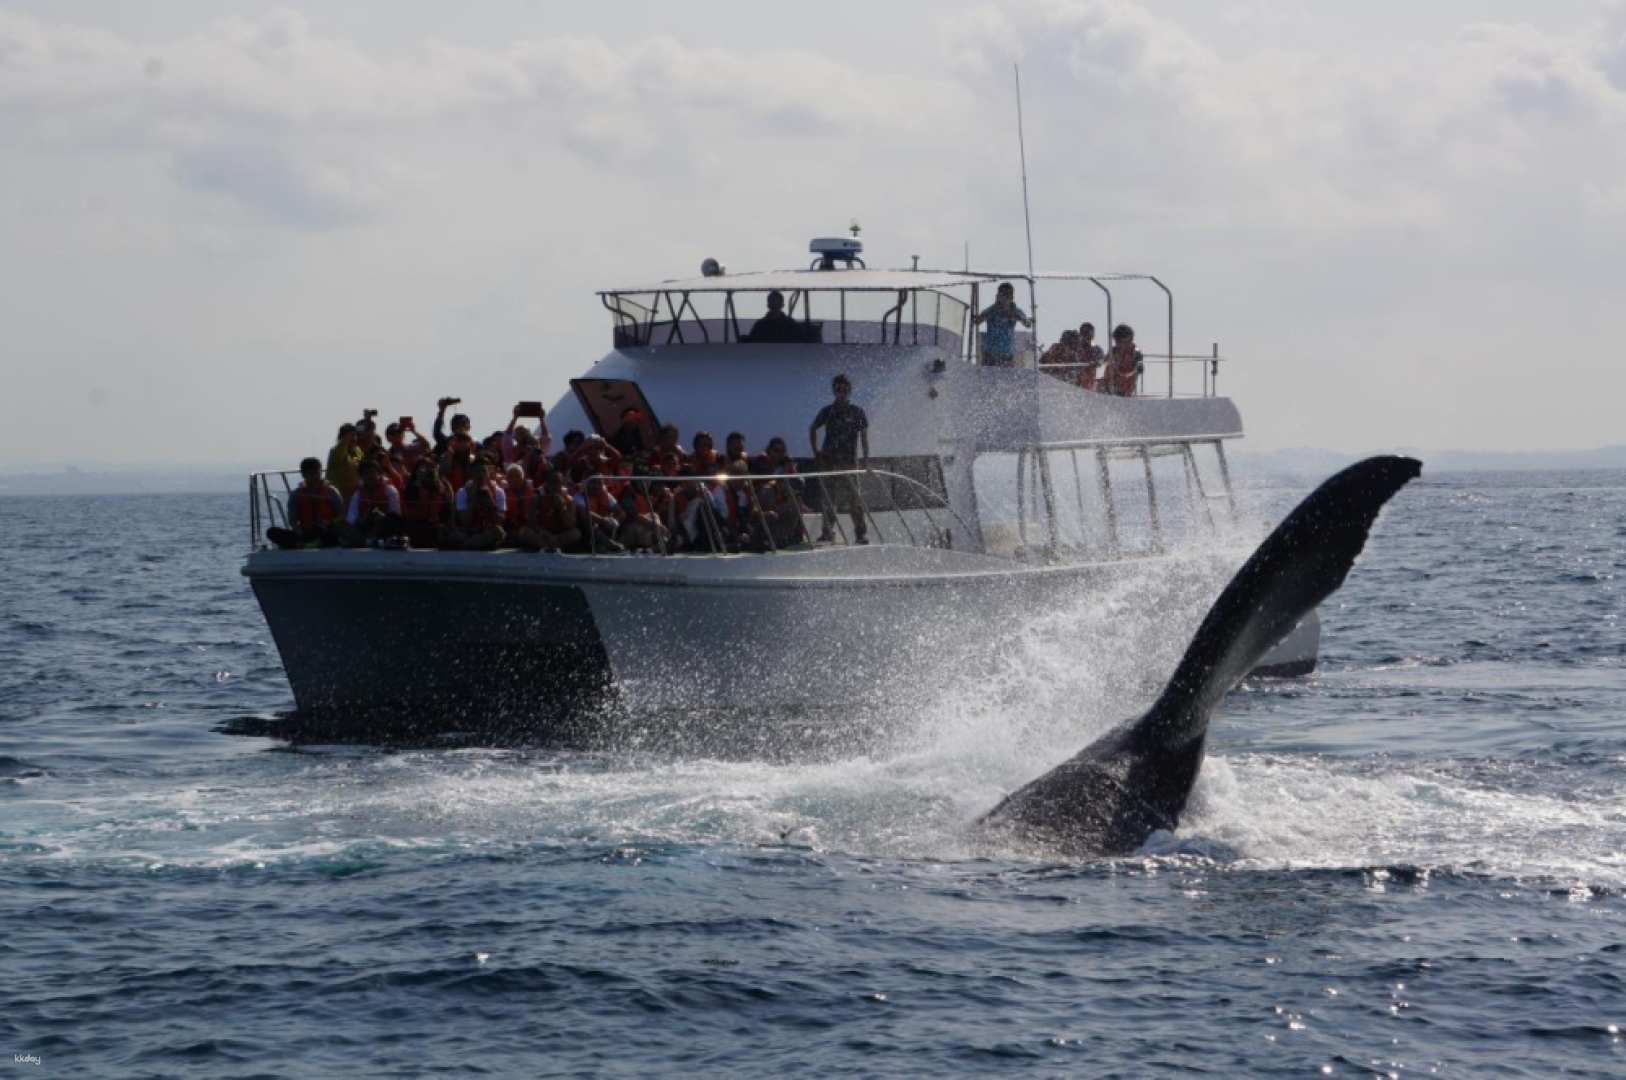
[{"x": 972, "y": 736}]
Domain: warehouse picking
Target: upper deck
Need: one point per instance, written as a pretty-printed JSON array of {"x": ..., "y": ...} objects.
[{"x": 913, "y": 309}]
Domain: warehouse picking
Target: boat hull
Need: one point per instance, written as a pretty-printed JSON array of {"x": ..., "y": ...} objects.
[{"x": 778, "y": 656}]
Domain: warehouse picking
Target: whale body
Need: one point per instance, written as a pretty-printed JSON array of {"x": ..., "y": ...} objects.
[{"x": 1107, "y": 799}]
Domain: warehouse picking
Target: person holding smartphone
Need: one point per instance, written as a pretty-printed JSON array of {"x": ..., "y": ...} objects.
[{"x": 522, "y": 410}]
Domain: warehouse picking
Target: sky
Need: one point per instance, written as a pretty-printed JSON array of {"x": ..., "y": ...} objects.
[{"x": 228, "y": 226}]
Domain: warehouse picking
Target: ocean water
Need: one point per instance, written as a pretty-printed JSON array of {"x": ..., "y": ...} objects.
[{"x": 1410, "y": 863}]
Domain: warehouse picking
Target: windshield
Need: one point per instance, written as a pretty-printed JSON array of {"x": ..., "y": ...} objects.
[{"x": 821, "y": 316}]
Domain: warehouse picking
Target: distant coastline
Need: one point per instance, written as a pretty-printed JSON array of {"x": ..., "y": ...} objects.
[{"x": 101, "y": 478}]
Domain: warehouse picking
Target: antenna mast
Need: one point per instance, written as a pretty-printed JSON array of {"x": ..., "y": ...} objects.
[{"x": 1027, "y": 220}]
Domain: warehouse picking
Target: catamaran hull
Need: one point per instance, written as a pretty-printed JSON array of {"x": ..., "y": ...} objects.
[{"x": 709, "y": 656}]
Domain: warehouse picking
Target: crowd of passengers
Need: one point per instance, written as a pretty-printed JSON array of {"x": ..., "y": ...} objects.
[
  {"x": 630, "y": 492},
  {"x": 1076, "y": 358}
]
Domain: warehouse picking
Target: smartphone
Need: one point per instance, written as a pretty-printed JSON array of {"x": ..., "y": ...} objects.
[
  {"x": 405, "y": 423},
  {"x": 528, "y": 408}
]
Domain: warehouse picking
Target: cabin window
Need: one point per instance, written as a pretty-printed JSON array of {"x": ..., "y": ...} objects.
[{"x": 1099, "y": 501}]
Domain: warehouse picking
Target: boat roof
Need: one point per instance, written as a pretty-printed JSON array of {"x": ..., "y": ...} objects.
[
  {"x": 858, "y": 280},
  {"x": 797, "y": 280}
]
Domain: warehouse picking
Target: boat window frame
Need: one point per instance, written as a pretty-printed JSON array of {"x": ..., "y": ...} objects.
[{"x": 680, "y": 309}]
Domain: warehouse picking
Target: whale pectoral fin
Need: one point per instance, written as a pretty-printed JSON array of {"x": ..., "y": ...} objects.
[{"x": 1107, "y": 799}]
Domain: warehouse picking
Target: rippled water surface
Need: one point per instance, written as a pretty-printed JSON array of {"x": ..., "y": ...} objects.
[{"x": 1410, "y": 863}]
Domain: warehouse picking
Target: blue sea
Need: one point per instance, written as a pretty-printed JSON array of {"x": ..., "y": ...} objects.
[{"x": 1411, "y": 863}]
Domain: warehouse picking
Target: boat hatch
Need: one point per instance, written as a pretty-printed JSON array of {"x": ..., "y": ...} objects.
[{"x": 605, "y": 400}]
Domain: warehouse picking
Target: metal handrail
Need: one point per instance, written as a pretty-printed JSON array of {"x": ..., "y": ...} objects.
[
  {"x": 266, "y": 509},
  {"x": 1209, "y": 363}
]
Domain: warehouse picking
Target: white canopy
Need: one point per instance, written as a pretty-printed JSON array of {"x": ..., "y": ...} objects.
[{"x": 818, "y": 280}]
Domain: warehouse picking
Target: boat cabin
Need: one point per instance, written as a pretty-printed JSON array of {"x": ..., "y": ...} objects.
[{"x": 692, "y": 352}]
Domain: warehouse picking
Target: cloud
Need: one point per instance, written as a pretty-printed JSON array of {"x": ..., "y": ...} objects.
[
  {"x": 316, "y": 194},
  {"x": 259, "y": 110}
]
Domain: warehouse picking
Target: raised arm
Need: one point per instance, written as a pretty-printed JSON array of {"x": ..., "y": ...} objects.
[{"x": 439, "y": 430}]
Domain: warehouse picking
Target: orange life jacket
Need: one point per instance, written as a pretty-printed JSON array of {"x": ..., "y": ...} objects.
[{"x": 313, "y": 508}]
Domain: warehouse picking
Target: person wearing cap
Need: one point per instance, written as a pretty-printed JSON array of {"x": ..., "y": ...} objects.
[
  {"x": 775, "y": 327},
  {"x": 846, "y": 428}
]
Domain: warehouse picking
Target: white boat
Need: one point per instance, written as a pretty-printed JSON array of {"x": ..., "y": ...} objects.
[{"x": 992, "y": 493}]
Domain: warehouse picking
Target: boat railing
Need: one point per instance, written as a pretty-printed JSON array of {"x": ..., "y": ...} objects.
[
  {"x": 1180, "y": 375},
  {"x": 885, "y": 499}
]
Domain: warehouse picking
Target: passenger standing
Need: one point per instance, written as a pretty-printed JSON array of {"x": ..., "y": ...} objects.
[
  {"x": 999, "y": 343},
  {"x": 1090, "y": 356},
  {"x": 344, "y": 461},
  {"x": 438, "y": 429},
  {"x": 1124, "y": 362},
  {"x": 630, "y": 439},
  {"x": 1061, "y": 360},
  {"x": 846, "y": 428}
]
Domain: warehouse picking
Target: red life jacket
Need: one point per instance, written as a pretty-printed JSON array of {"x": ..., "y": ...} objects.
[
  {"x": 370, "y": 499},
  {"x": 423, "y": 509},
  {"x": 1120, "y": 373},
  {"x": 555, "y": 513},
  {"x": 519, "y": 496},
  {"x": 482, "y": 504},
  {"x": 313, "y": 508},
  {"x": 600, "y": 503}
]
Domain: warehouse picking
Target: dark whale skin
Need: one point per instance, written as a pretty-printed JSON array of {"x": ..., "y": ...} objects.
[{"x": 1107, "y": 799}]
